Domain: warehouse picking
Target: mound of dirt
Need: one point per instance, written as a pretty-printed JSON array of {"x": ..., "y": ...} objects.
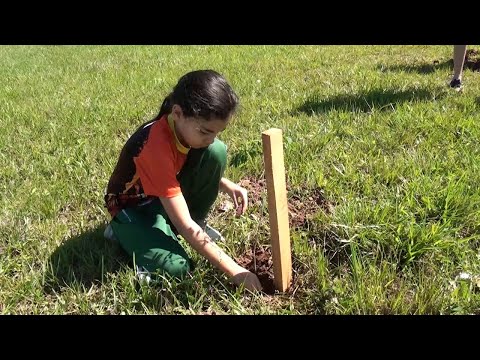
[
  {"x": 257, "y": 188},
  {"x": 301, "y": 208},
  {"x": 472, "y": 60},
  {"x": 302, "y": 205}
]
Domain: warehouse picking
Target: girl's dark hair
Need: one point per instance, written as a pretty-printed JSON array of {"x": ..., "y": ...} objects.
[{"x": 202, "y": 93}]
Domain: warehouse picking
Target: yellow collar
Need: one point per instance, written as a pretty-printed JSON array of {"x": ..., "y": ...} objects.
[{"x": 180, "y": 147}]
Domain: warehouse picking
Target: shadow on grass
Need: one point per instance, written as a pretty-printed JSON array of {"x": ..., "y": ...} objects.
[
  {"x": 83, "y": 259},
  {"x": 246, "y": 153},
  {"x": 87, "y": 259},
  {"x": 418, "y": 68},
  {"x": 377, "y": 99}
]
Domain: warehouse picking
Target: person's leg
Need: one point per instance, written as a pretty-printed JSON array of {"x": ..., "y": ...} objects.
[
  {"x": 145, "y": 234},
  {"x": 200, "y": 178},
  {"x": 459, "y": 52}
]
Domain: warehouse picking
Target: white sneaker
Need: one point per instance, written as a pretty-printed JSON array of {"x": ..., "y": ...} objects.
[
  {"x": 142, "y": 274},
  {"x": 213, "y": 233},
  {"x": 109, "y": 234}
]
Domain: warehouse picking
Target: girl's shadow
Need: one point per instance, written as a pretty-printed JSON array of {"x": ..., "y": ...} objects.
[
  {"x": 84, "y": 259},
  {"x": 418, "y": 68}
]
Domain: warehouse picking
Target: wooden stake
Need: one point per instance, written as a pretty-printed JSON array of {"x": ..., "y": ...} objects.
[{"x": 277, "y": 207}]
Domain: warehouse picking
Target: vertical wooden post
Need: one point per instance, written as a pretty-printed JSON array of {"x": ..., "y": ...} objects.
[{"x": 277, "y": 207}]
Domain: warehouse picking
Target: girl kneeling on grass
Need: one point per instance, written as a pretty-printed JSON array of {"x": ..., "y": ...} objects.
[{"x": 168, "y": 176}]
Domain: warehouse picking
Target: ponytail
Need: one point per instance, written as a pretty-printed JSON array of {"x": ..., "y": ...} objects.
[{"x": 166, "y": 107}]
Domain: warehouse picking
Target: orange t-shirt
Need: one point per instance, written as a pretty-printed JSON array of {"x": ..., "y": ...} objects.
[{"x": 148, "y": 166}]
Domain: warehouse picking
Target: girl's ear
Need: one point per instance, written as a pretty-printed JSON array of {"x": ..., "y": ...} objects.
[{"x": 177, "y": 111}]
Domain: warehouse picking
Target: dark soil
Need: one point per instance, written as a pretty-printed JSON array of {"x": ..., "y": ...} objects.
[{"x": 259, "y": 261}]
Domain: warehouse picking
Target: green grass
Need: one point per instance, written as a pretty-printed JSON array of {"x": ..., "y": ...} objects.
[{"x": 375, "y": 127}]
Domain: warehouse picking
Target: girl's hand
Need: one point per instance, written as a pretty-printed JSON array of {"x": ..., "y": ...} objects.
[
  {"x": 237, "y": 193},
  {"x": 248, "y": 279}
]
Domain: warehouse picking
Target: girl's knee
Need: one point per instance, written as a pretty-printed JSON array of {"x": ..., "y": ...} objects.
[
  {"x": 175, "y": 263},
  {"x": 217, "y": 153},
  {"x": 179, "y": 268}
]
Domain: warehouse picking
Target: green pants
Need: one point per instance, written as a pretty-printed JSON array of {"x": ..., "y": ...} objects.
[{"x": 146, "y": 233}]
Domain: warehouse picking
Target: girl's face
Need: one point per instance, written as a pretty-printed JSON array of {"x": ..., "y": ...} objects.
[{"x": 196, "y": 132}]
